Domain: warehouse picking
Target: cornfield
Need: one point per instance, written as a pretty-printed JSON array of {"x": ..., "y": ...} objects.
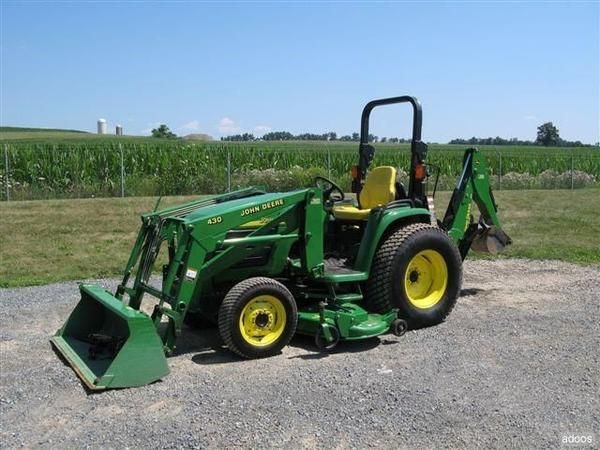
[{"x": 84, "y": 169}]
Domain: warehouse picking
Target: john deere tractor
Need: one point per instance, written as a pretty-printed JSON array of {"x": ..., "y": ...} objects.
[{"x": 265, "y": 266}]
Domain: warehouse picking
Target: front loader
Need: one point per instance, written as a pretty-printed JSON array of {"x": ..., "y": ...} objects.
[{"x": 265, "y": 266}]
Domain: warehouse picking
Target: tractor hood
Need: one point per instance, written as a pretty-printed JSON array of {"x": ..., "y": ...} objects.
[{"x": 248, "y": 206}]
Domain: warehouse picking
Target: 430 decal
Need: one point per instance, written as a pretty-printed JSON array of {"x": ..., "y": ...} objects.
[{"x": 215, "y": 220}]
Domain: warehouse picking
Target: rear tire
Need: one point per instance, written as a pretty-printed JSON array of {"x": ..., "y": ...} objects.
[
  {"x": 258, "y": 317},
  {"x": 418, "y": 270}
]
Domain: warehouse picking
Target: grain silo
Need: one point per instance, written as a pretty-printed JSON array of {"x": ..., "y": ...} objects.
[
  {"x": 119, "y": 130},
  {"x": 101, "y": 126}
]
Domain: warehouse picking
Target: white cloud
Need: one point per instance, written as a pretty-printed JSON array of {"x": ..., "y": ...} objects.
[
  {"x": 150, "y": 126},
  {"x": 227, "y": 125},
  {"x": 530, "y": 117},
  {"x": 194, "y": 125},
  {"x": 262, "y": 129}
]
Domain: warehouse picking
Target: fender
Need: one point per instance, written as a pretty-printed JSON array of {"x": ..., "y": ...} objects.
[{"x": 383, "y": 221}]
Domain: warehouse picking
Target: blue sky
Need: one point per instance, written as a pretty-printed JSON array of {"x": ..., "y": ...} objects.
[{"x": 479, "y": 69}]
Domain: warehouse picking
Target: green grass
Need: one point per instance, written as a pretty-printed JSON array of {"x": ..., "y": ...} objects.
[
  {"x": 47, "y": 241},
  {"x": 549, "y": 224},
  {"x": 54, "y": 240}
]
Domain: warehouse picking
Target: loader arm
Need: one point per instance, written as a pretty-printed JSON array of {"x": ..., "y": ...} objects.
[
  {"x": 111, "y": 342},
  {"x": 200, "y": 248},
  {"x": 474, "y": 185}
]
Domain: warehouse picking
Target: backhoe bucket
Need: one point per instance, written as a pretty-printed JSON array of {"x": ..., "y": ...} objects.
[
  {"x": 490, "y": 240},
  {"x": 109, "y": 344}
]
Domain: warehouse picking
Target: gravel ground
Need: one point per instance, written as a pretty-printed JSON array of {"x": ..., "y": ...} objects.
[{"x": 515, "y": 365}]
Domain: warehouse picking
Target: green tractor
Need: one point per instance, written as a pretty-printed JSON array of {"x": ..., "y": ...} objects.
[{"x": 265, "y": 266}]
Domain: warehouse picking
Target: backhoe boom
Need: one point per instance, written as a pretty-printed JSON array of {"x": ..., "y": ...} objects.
[{"x": 474, "y": 185}]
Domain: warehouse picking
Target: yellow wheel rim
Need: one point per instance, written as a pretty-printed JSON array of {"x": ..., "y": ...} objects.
[
  {"x": 426, "y": 279},
  {"x": 262, "y": 320}
]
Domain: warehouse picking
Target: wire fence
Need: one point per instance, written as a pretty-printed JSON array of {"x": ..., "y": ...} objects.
[{"x": 76, "y": 171}]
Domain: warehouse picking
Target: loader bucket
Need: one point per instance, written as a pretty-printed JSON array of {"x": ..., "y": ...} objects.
[
  {"x": 490, "y": 240},
  {"x": 109, "y": 344}
]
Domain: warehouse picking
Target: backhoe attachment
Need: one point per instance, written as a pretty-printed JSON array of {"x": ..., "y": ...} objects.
[{"x": 485, "y": 235}]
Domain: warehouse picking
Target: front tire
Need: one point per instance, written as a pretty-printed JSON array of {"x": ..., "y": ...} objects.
[
  {"x": 258, "y": 317},
  {"x": 418, "y": 270}
]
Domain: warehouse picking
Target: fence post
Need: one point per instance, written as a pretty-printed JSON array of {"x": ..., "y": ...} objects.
[
  {"x": 6, "y": 172},
  {"x": 122, "y": 171},
  {"x": 228, "y": 170},
  {"x": 572, "y": 167},
  {"x": 500, "y": 171}
]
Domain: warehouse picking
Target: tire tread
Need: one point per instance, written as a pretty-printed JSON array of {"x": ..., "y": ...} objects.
[
  {"x": 227, "y": 313},
  {"x": 379, "y": 296}
]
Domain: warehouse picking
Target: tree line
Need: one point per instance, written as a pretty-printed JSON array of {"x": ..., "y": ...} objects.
[
  {"x": 547, "y": 135},
  {"x": 329, "y": 136}
]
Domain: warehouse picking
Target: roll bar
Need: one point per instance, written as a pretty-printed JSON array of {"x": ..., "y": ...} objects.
[
  {"x": 417, "y": 115},
  {"x": 417, "y": 147}
]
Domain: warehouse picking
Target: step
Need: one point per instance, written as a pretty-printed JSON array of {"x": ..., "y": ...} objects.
[{"x": 343, "y": 276}]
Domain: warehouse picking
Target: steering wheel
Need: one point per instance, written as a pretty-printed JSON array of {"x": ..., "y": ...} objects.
[{"x": 322, "y": 183}]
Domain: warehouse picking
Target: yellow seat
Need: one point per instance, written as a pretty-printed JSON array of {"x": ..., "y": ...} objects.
[
  {"x": 350, "y": 212},
  {"x": 379, "y": 189}
]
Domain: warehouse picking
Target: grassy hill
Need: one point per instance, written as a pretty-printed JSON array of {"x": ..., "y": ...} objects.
[
  {"x": 37, "y": 130},
  {"x": 56, "y": 136},
  {"x": 23, "y": 133}
]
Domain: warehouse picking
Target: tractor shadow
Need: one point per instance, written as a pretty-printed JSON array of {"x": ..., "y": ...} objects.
[
  {"x": 307, "y": 343},
  {"x": 470, "y": 292},
  {"x": 208, "y": 348}
]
